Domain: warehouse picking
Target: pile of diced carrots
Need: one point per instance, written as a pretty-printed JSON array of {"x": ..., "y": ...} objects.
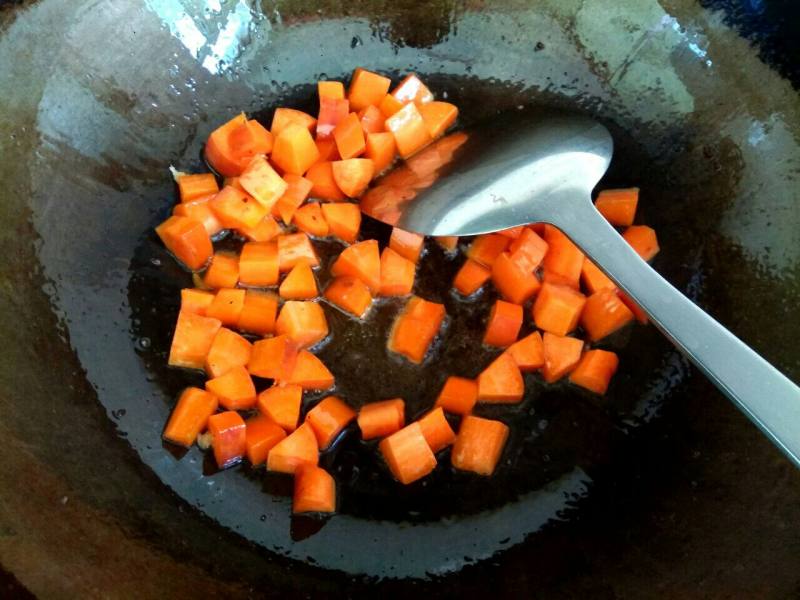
[{"x": 260, "y": 313}]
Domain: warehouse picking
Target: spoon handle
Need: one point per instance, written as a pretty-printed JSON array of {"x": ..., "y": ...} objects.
[{"x": 764, "y": 394}]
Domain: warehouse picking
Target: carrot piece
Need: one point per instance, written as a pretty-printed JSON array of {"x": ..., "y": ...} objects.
[
  {"x": 266, "y": 230},
  {"x": 192, "y": 340},
  {"x": 282, "y": 405},
  {"x": 303, "y": 322},
  {"x": 190, "y": 416},
  {"x": 228, "y": 350},
  {"x": 512, "y": 232},
  {"x": 236, "y": 209},
  {"x": 604, "y": 314},
  {"x": 195, "y": 301},
  {"x": 618, "y": 206},
  {"x": 327, "y": 150},
  {"x": 233, "y": 182},
  {"x": 310, "y": 373},
  {"x": 528, "y": 352},
  {"x": 397, "y": 274},
  {"x": 258, "y": 263},
  {"x": 200, "y": 210},
  {"x": 470, "y": 277},
  {"x": 283, "y": 117},
  {"x": 381, "y": 150},
  {"x": 513, "y": 282},
  {"x": 330, "y": 89},
  {"x": 595, "y": 370},
  {"x": 563, "y": 257},
  {"x": 258, "y": 312},
  {"x": 328, "y": 419},
  {"x": 528, "y": 250},
  {"x": 331, "y": 113},
  {"x": 223, "y": 272},
  {"x": 228, "y": 437},
  {"x": 323, "y": 185},
  {"x": 447, "y": 242},
  {"x": 479, "y": 445},
  {"x": 558, "y": 308},
  {"x": 273, "y": 358},
  {"x": 297, "y": 191},
  {"x": 187, "y": 239},
  {"x": 501, "y": 382},
  {"x": 261, "y": 435},
  {"x": 486, "y": 248},
  {"x": 361, "y": 261},
  {"x": 353, "y": 175},
  {"x": 371, "y": 119},
  {"x": 250, "y": 138},
  {"x": 561, "y": 354},
  {"x": 192, "y": 187},
  {"x": 637, "y": 311},
  {"x": 350, "y": 294},
  {"x": 235, "y": 389},
  {"x": 227, "y": 306},
  {"x": 458, "y": 395},
  {"x": 505, "y": 320},
  {"x": 411, "y": 89},
  {"x": 314, "y": 491},
  {"x": 594, "y": 279},
  {"x": 438, "y": 117},
  {"x": 407, "y": 454},
  {"x": 389, "y": 105},
  {"x": 436, "y": 430},
  {"x": 349, "y": 137},
  {"x": 643, "y": 240},
  {"x": 296, "y": 450},
  {"x": 409, "y": 130},
  {"x": 299, "y": 284},
  {"x": 295, "y": 248},
  {"x": 262, "y": 182},
  {"x": 407, "y": 244},
  {"x": 218, "y": 150},
  {"x": 344, "y": 220},
  {"x": 294, "y": 151},
  {"x": 379, "y": 419},
  {"x": 414, "y": 328},
  {"x": 367, "y": 88},
  {"x": 309, "y": 219}
]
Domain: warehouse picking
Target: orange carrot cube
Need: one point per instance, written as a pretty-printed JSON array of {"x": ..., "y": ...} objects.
[
  {"x": 379, "y": 419},
  {"x": 595, "y": 370},
  {"x": 258, "y": 264},
  {"x": 397, "y": 274},
  {"x": 258, "y": 312},
  {"x": 314, "y": 491},
  {"x": 458, "y": 396},
  {"x": 558, "y": 308},
  {"x": 228, "y": 437},
  {"x": 361, "y": 261},
  {"x": 310, "y": 373},
  {"x": 407, "y": 454},
  {"x": 618, "y": 206},
  {"x": 344, "y": 220},
  {"x": 603, "y": 314},
  {"x": 328, "y": 419},
  {"x": 299, "y": 284},
  {"x": 561, "y": 354},
  {"x": 505, "y": 321},
  {"x": 282, "y": 405},
  {"x": 192, "y": 340},
  {"x": 223, "y": 272},
  {"x": 528, "y": 352},
  {"x": 227, "y": 306},
  {"x": 262, "y": 182},
  {"x": 436, "y": 430},
  {"x": 350, "y": 294},
  {"x": 303, "y": 322},
  {"x": 501, "y": 382},
  {"x": 479, "y": 445},
  {"x": 514, "y": 283},
  {"x": 367, "y": 88},
  {"x": 470, "y": 277},
  {"x": 190, "y": 416},
  {"x": 187, "y": 239},
  {"x": 294, "y": 248},
  {"x": 228, "y": 350},
  {"x": 234, "y": 389},
  {"x": 296, "y": 450},
  {"x": 294, "y": 150},
  {"x": 261, "y": 435}
]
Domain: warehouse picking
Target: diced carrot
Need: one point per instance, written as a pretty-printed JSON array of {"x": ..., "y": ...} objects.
[
  {"x": 200, "y": 210},
  {"x": 261, "y": 435},
  {"x": 367, "y": 88},
  {"x": 235, "y": 389},
  {"x": 258, "y": 263},
  {"x": 349, "y": 137},
  {"x": 604, "y": 314},
  {"x": 486, "y": 248},
  {"x": 327, "y": 150},
  {"x": 528, "y": 250},
  {"x": 192, "y": 340},
  {"x": 258, "y": 313},
  {"x": 558, "y": 308},
  {"x": 361, "y": 261},
  {"x": 196, "y": 301},
  {"x": 501, "y": 382},
  {"x": 353, "y": 175},
  {"x": 379, "y": 419},
  {"x": 223, "y": 272},
  {"x": 458, "y": 396},
  {"x": 331, "y": 113},
  {"x": 310, "y": 373},
  {"x": 299, "y": 284},
  {"x": 447, "y": 242},
  {"x": 479, "y": 445},
  {"x": 262, "y": 182},
  {"x": 218, "y": 150},
  {"x": 350, "y": 294},
  {"x": 397, "y": 274},
  {"x": 502, "y": 328},
  {"x": 595, "y": 370},
  {"x": 563, "y": 257},
  {"x": 618, "y": 206},
  {"x": 381, "y": 149},
  {"x": 190, "y": 416},
  {"x": 233, "y": 181},
  {"x": 192, "y": 187},
  {"x": 514, "y": 283},
  {"x": 228, "y": 437},
  {"x": 228, "y": 350},
  {"x": 470, "y": 277},
  {"x": 407, "y": 244},
  {"x": 249, "y": 139},
  {"x": 323, "y": 185},
  {"x": 411, "y": 89},
  {"x": 436, "y": 430},
  {"x": 643, "y": 240},
  {"x": 407, "y": 454},
  {"x": 236, "y": 209},
  {"x": 409, "y": 130},
  {"x": 273, "y": 358},
  {"x": 438, "y": 117},
  {"x": 294, "y": 151},
  {"x": 294, "y": 248},
  {"x": 637, "y": 311},
  {"x": 330, "y": 89},
  {"x": 314, "y": 491},
  {"x": 389, "y": 105},
  {"x": 303, "y": 322},
  {"x": 594, "y": 279},
  {"x": 283, "y": 117},
  {"x": 187, "y": 239},
  {"x": 328, "y": 419},
  {"x": 561, "y": 354},
  {"x": 512, "y": 232},
  {"x": 309, "y": 219},
  {"x": 296, "y": 450},
  {"x": 227, "y": 306},
  {"x": 371, "y": 119},
  {"x": 266, "y": 230},
  {"x": 414, "y": 328},
  {"x": 344, "y": 220},
  {"x": 528, "y": 352},
  {"x": 282, "y": 405},
  {"x": 297, "y": 191}
]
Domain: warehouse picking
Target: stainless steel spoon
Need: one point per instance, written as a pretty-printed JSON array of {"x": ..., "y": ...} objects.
[{"x": 543, "y": 170}]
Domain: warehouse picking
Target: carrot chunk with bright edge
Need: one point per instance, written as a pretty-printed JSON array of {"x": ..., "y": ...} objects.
[
  {"x": 479, "y": 445},
  {"x": 353, "y": 175},
  {"x": 502, "y": 328},
  {"x": 501, "y": 382},
  {"x": 228, "y": 437},
  {"x": 379, "y": 419},
  {"x": 258, "y": 312},
  {"x": 327, "y": 151},
  {"x": 309, "y": 219},
  {"x": 310, "y": 373},
  {"x": 261, "y": 435},
  {"x": 294, "y": 151},
  {"x": 227, "y": 306},
  {"x": 192, "y": 187},
  {"x": 397, "y": 274},
  {"x": 328, "y": 419},
  {"x": 436, "y": 430},
  {"x": 361, "y": 261},
  {"x": 266, "y": 230},
  {"x": 528, "y": 352},
  {"x": 297, "y": 190},
  {"x": 558, "y": 308},
  {"x": 303, "y": 322},
  {"x": 407, "y": 454},
  {"x": 409, "y": 130},
  {"x": 258, "y": 264},
  {"x": 381, "y": 150},
  {"x": 415, "y": 327},
  {"x": 344, "y": 220},
  {"x": 296, "y": 450},
  {"x": 528, "y": 250},
  {"x": 294, "y": 248},
  {"x": 618, "y": 206},
  {"x": 458, "y": 396},
  {"x": 262, "y": 182},
  {"x": 330, "y": 89},
  {"x": 485, "y": 249},
  {"x": 411, "y": 89},
  {"x": 223, "y": 272},
  {"x": 595, "y": 370},
  {"x": 196, "y": 301},
  {"x": 371, "y": 119},
  {"x": 561, "y": 354},
  {"x": 190, "y": 416},
  {"x": 604, "y": 314},
  {"x": 331, "y": 113},
  {"x": 192, "y": 340},
  {"x": 234, "y": 389},
  {"x": 273, "y": 358},
  {"x": 282, "y": 405},
  {"x": 389, "y": 105},
  {"x": 367, "y": 88},
  {"x": 350, "y": 294},
  {"x": 283, "y": 117},
  {"x": 637, "y": 311},
  {"x": 563, "y": 258},
  {"x": 228, "y": 350},
  {"x": 470, "y": 277},
  {"x": 218, "y": 150},
  {"x": 349, "y": 137},
  {"x": 323, "y": 185},
  {"x": 594, "y": 279},
  {"x": 314, "y": 491},
  {"x": 643, "y": 240},
  {"x": 299, "y": 284},
  {"x": 200, "y": 210},
  {"x": 407, "y": 244},
  {"x": 250, "y": 138},
  {"x": 514, "y": 283},
  {"x": 187, "y": 239},
  {"x": 236, "y": 209},
  {"x": 438, "y": 117}
]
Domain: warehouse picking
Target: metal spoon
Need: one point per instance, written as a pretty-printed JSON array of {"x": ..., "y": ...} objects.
[{"x": 543, "y": 170}]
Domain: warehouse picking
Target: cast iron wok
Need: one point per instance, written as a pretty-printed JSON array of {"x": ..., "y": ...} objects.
[{"x": 660, "y": 487}]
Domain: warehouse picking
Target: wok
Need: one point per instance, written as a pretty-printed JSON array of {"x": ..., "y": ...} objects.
[{"x": 661, "y": 489}]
